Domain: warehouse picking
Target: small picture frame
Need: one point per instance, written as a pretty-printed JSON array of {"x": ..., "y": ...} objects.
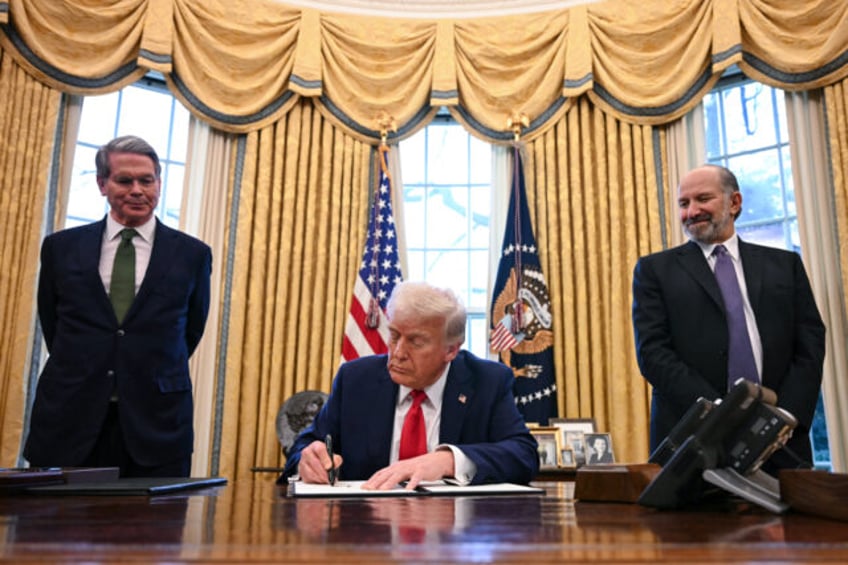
[
  {"x": 572, "y": 431},
  {"x": 599, "y": 449},
  {"x": 550, "y": 445},
  {"x": 566, "y": 457}
]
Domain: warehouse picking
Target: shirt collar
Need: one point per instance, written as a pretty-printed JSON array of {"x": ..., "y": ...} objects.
[
  {"x": 145, "y": 230},
  {"x": 732, "y": 246},
  {"x": 434, "y": 391}
]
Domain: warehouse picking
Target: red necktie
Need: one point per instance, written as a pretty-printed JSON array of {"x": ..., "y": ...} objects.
[{"x": 413, "y": 437}]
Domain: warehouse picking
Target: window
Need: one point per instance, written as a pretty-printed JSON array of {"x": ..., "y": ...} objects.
[
  {"x": 145, "y": 109},
  {"x": 446, "y": 198},
  {"x": 746, "y": 132}
]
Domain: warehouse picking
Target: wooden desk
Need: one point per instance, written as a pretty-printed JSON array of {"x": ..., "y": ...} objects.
[{"x": 254, "y": 522}]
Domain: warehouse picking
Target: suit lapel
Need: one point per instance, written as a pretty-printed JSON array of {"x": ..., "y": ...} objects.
[
  {"x": 89, "y": 247},
  {"x": 458, "y": 393},
  {"x": 751, "y": 263},
  {"x": 165, "y": 248},
  {"x": 693, "y": 262},
  {"x": 381, "y": 400}
]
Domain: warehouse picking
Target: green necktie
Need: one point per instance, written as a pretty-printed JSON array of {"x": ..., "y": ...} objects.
[{"x": 122, "y": 288}]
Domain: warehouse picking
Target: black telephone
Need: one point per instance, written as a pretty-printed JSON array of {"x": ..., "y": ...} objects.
[{"x": 722, "y": 443}]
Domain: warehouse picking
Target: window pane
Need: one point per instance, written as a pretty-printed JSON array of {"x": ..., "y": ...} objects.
[
  {"x": 749, "y": 110},
  {"x": 480, "y": 214},
  {"x": 759, "y": 176},
  {"x": 446, "y": 200},
  {"x": 447, "y": 221},
  {"x": 447, "y": 155},
  {"x": 476, "y": 335},
  {"x": 413, "y": 169},
  {"x": 414, "y": 215},
  {"x": 97, "y": 120},
  {"x": 85, "y": 203},
  {"x": 147, "y": 114},
  {"x": 415, "y": 258},
  {"x": 449, "y": 269}
]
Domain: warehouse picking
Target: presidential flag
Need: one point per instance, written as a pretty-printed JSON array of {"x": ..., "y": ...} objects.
[
  {"x": 521, "y": 332},
  {"x": 366, "y": 331}
]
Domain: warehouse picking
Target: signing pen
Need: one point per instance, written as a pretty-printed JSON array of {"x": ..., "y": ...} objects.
[{"x": 331, "y": 472}]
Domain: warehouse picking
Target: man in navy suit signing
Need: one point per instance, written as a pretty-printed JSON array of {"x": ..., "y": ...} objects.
[
  {"x": 680, "y": 316},
  {"x": 116, "y": 390},
  {"x": 474, "y": 432}
]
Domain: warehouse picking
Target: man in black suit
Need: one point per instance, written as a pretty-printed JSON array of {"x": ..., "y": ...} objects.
[
  {"x": 116, "y": 390},
  {"x": 681, "y": 332},
  {"x": 474, "y": 432}
]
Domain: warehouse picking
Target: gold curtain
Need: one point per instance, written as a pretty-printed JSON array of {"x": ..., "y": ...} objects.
[
  {"x": 297, "y": 235},
  {"x": 592, "y": 181},
  {"x": 28, "y": 120},
  {"x": 242, "y": 65},
  {"x": 836, "y": 110},
  {"x": 836, "y": 388}
]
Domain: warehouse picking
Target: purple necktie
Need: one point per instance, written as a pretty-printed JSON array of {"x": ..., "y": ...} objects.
[{"x": 740, "y": 356}]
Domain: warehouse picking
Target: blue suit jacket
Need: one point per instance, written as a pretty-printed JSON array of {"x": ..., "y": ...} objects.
[
  {"x": 145, "y": 358},
  {"x": 478, "y": 416},
  {"x": 682, "y": 340}
]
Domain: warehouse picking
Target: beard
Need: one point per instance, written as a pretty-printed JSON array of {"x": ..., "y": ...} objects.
[{"x": 707, "y": 229}]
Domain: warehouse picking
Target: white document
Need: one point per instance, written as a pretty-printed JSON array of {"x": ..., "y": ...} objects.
[{"x": 428, "y": 488}]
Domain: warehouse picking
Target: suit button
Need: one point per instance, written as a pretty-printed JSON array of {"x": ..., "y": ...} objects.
[
  {"x": 120, "y": 333},
  {"x": 110, "y": 373}
]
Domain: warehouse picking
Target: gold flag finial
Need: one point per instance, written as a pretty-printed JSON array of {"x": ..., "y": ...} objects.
[
  {"x": 385, "y": 123},
  {"x": 516, "y": 122}
]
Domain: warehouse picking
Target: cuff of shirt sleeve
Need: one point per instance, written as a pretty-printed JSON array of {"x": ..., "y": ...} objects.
[{"x": 463, "y": 467}]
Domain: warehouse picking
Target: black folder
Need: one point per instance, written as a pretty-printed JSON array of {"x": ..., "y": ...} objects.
[{"x": 131, "y": 486}]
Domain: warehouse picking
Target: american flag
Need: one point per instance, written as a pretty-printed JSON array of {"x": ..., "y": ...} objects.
[{"x": 366, "y": 332}]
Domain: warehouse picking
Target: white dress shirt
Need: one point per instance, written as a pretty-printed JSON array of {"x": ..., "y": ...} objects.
[
  {"x": 732, "y": 246},
  {"x": 464, "y": 468},
  {"x": 143, "y": 244}
]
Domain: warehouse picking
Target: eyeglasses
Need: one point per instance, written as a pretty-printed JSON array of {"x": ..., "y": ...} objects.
[{"x": 146, "y": 181}]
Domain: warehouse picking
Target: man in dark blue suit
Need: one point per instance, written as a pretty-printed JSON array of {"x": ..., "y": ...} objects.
[
  {"x": 475, "y": 433},
  {"x": 116, "y": 390},
  {"x": 679, "y": 320}
]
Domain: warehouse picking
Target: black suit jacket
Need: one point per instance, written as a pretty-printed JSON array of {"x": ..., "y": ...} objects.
[
  {"x": 682, "y": 339},
  {"x": 478, "y": 416},
  {"x": 145, "y": 358}
]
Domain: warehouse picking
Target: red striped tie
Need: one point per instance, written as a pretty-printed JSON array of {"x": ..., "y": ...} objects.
[{"x": 413, "y": 437}]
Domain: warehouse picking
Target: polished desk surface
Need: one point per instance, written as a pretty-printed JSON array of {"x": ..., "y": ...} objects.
[{"x": 253, "y": 521}]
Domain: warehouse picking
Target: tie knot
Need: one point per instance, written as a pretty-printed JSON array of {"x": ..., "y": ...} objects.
[
  {"x": 720, "y": 250},
  {"x": 127, "y": 234},
  {"x": 418, "y": 396}
]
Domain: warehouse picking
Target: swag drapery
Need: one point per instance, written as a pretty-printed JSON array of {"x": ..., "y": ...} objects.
[{"x": 596, "y": 82}]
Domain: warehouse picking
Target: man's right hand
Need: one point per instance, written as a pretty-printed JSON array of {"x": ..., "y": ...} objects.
[{"x": 315, "y": 462}]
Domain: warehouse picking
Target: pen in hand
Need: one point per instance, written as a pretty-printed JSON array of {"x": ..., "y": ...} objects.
[{"x": 331, "y": 472}]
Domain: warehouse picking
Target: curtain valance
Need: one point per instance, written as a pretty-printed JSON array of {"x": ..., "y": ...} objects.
[{"x": 241, "y": 65}]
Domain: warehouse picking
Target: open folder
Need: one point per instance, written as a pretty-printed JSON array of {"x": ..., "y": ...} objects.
[
  {"x": 428, "y": 488},
  {"x": 139, "y": 486}
]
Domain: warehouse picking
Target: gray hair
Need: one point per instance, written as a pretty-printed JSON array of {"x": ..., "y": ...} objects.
[
  {"x": 125, "y": 144},
  {"x": 428, "y": 301}
]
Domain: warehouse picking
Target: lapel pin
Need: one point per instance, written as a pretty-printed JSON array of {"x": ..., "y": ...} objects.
[{"x": 462, "y": 398}]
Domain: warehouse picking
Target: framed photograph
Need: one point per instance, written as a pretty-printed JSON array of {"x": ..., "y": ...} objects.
[
  {"x": 585, "y": 425},
  {"x": 566, "y": 457},
  {"x": 572, "y": 431},
  {"x": 599, "y": 449},
  {"x": 550, "y": 445}
]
